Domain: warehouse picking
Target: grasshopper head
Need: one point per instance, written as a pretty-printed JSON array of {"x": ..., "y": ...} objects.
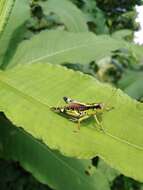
[{"x": 99, "y": 107}]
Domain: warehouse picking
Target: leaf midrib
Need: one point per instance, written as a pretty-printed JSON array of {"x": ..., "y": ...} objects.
[
  {"x": 56, "y": 53},
  {"x": 23, "y": 94}
]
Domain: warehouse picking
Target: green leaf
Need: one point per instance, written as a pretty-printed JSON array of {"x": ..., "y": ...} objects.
[
  {"x": 122, "y": 34},
  {"x": 109, "y": 172},
  {"x": 27, "y": 92},
  {"x": 132, "y": 82},
  {"x": 59, "y": 46},
  {"x": 48, "y": 166},
  {"x": 100, "y": 21},
  {"x": 68, "y": 13},
  {"x": 5, "y": 10},
  {"x": 14, "y": 31}
]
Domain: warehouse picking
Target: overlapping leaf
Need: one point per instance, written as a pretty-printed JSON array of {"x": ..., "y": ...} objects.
[
  {"x": 14, "y": 30},
  {"x": 68, "y": 13},
  {"x": 5, "y": 9},
  {"x": 59, "y": 46},
  {"x": 132, "y": 84}
]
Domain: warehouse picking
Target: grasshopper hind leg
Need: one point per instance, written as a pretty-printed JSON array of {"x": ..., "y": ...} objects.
[
  {"x": 79, "y": 120},
  {"x": 99, "y": 123},
  {"x": 82, "y": 119}
]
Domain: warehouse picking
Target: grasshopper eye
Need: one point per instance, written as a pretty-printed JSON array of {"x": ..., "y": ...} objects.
[{"x": 65, "y": 99}]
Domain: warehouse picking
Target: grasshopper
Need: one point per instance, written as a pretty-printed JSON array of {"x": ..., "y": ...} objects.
[{"x": 78, "y": 112}]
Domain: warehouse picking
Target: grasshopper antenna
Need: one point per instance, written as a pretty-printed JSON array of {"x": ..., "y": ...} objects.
[
  {"x": 108, "y": 108},
  {"x": 56, "y": 108}
]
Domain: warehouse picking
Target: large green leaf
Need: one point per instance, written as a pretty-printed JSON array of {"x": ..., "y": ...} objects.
[
  {"x": 69, "y": 14},
  {"x": 14, "y": 30},
  {"x": 5, "y": 10},
  {"x": 48, "y": 166},
  {"x": 27, "y": 92},
  {"x": 59, "y": 46}
]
